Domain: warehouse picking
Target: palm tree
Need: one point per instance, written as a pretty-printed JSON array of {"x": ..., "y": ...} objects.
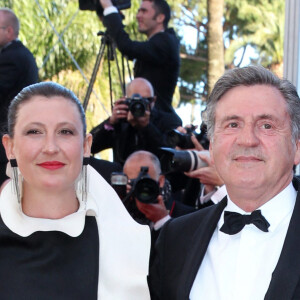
[
  {"x": 256, "y": 23},
  {"x": 215, "y": 42}
]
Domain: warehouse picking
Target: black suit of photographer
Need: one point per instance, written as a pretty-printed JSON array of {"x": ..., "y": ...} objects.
[
  {"x": 125, "y": 139},
  {"x": 157, "y": 59}
]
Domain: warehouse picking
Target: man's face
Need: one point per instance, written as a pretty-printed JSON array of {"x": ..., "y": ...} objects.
[
  {"x": 4, "y": 38},
  {"x": 141, "y": 88},
  {"x": 147, "y": 19},
  {"x": 48, "y": 143},
  {"x": 252, "y": 145},
  {"x": 132, "y": 168}
]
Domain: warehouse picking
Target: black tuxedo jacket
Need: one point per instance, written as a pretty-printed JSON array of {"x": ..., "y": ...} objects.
[
  {"x": 183, "y": 242},
  {"x": 157, "y": 59}
]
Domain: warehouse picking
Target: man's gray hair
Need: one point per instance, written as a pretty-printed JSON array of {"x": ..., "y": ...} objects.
[
  {"x": 249, "y": 76},
  {"x": 138, "y": 81},
  {"x": 145, "y": 155},
  {"x": 11, "y": 20}
]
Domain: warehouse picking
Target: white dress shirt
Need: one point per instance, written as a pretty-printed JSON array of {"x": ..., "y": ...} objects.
[{"x": 240, "y": 266}]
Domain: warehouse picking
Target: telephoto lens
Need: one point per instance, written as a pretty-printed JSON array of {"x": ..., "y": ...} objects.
[{"x": 181, "y": 160}]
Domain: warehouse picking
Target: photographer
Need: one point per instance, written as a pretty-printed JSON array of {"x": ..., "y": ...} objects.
[
  {"x": 155, "y": 210},
  {"x": 157, "y": 59},
  {"x": 125, "y": 132},
  {"x": 190, "y": 169},
  {"x": 159, "y": 209}
]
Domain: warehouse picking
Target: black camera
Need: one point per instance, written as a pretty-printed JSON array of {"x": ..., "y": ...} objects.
[
  {"x": 94, "y": 5},
  {"x": 183, "y": 140},
  {"x": 137, "y": 105},
  {"x": 181, "y": 160},
  {"x": 144, "y": 188}
]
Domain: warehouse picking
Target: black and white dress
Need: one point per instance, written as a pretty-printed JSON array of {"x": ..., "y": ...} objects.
[{"x": 98, "y": 252}]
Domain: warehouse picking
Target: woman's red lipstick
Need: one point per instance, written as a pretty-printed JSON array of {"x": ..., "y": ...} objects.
[{"x": 51, "y": 165}]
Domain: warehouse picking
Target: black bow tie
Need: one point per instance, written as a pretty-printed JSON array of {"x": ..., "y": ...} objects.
[{"x": 235, "y": 222}]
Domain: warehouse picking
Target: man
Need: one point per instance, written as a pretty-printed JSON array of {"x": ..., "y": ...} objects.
[
  {"x": 126, "y": 133},
  {"x": 155, "y": 214},
  {"x": 157, "y": 59},
  {"x": 254, "y": 126},
  {"x": 17, "y": 70},
  {"x": 146, "y": 212},
  {"x": 17, "y": 65}
]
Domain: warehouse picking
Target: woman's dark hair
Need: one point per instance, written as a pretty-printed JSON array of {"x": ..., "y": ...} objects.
[{"x": 48, "y": 90}]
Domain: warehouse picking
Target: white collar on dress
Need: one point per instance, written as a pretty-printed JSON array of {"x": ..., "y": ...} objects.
[{"x": 23, "y": 225}]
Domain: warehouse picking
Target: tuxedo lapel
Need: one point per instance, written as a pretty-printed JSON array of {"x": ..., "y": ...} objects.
[
  {"x": 200, "y": 240},
  {"x": 287, "y": 272}
]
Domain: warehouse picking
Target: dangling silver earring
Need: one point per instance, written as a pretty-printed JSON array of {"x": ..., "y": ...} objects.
[
  {"x": 15, "y": 179},
  {"x": 84, "y": 183}
]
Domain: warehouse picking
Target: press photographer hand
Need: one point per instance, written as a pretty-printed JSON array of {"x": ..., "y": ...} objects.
[
  {"x": 120, "y": 111},
  {"x": 196, "y": 143},
  {"x": 153, "y": 212},
  {"x": 207, "y": 175}
]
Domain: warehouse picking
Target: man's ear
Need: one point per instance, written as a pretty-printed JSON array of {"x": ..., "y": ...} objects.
[
  {"x": 152, "y": 102},
  {"x": 160, "y": 18},
  {"x": 211, "y": 150},
  {"x": 161, "y": 180},
  {"x": 87, "y": 145},
  {"x": 8, "y": 146},
  {"x": 297, "y": 154},
  {"x": 11, "y": 33}
]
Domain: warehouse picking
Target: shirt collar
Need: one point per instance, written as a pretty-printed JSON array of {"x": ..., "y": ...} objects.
[
  {"x": 8, "y": 44},
  {"x": 151, "y": 36},
  {"x": 275, "y": 210}
]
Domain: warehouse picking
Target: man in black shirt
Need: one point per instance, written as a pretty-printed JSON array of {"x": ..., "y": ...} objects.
[
  {"x": 157, "y": 59},
  {"x": 126, "y": 133}
]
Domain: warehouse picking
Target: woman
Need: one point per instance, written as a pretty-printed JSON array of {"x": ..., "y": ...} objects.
[{"x": 58, "y": 214}]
